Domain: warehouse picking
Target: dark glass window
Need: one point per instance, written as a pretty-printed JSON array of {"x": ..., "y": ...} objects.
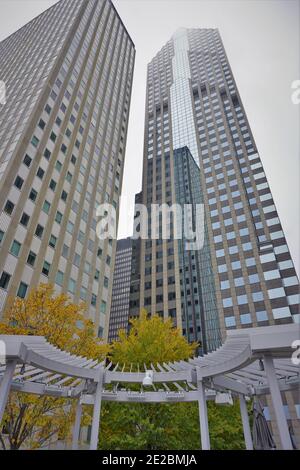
[
  {"x": 22, "y": 290},
  {"x": 31, "y": 258},
  {"x": 39, "y": 231},
  {"x": 46, "y": 268},
  {"x": 9, "y": 207},
  {"x": 47, "y": 154},
  {"x": 52, "y": 185},
  {"x": 27, "y": 160},
  {"x": 48, "y": 109},
  {"x": 33, "y": 194},
  {"x": 19, "y": 182},
  {"x": 40, "y": 173},
  {"x": 52, "y": 241},
  {"x": 42, "y": 124},
  {"x": 4, "y": 280}
]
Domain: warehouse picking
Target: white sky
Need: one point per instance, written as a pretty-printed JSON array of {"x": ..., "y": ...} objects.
[{"x": 261, "y": 38}]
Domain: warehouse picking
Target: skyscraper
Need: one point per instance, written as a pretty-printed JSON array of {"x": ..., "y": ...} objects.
[
  {"x": 199, "y": 149},
  {"x": 119, "y": 311},
  {"x": 68, "y": 75}
]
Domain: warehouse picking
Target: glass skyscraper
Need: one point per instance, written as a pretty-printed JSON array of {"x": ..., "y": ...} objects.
[
  {"x": 196, "y": 129},
  {"x": 119, "y": 311},
  {"x": 68, "y": 75}
]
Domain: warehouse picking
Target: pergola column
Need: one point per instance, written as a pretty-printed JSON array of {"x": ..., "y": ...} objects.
[
  {"x": 282, "y": 425},
  {"x": 76, "y": 428},
  {"x": 96, "y": 414},
  {"x": 205, "y": 442},
  {"x": 245, "y": 421},
  {"x": 5, "y": 385}
]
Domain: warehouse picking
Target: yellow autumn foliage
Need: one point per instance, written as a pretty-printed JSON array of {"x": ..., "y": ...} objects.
[{"x": 30, "y": 420}]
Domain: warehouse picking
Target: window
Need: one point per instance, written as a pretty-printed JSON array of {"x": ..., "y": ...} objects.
[
  {"x": 242, "y": 299},
  {"x": 58, "y": 217},
  {"x": 33, "y": 195},
  {"x": 64, "y": 195},
  {"x": 35, "y": 141},
  {"x": 46, "y": 268},
  {"x": 47, "y": 154},
  {"x": 230, "y": 322},
  {"x": 65, "y": 251},
  {"x": 269, "y": 275},
  {"x": 245, "y": 319},
  {"x": 53, "y": 136},
  {"x": 103, "y": 307},
  {"x": 257, "y": 296},
  {"x": 9, "y": 207},
  {"x": 40, "y": 173},
  {"x": 282, "y": 312},
  {"x": 59, "y": 278},
  {"x": 225, "y": 285},
  {"x": 52, "y": 241},
  {"x": 276, "y": 293},
  {"x": 94, "y": 300},
  {"x": 15, "y": 248},
  {"x": 58, "y": 165},
  {"x": 261, "y": 316},
  {"x": 72, "y": 285},
  {"x": 1, "y": 235},
  {"x": 52, "y": 185},
  {"x": 236, "y": 265},
  {"x": 97, "y": 274},
  {"x": 70, "y": 227},
  {"x": 22, "y": 290},
  {"x": 106, "y": 281},
  {"x": 39, "y": 231},
  {"x": 227, "y": 302},
  {"x": 253, "y": 278},
  {"x": 46, "y": 206},
  {"x": 42, "y": 124},
  {"x": 24, "y": 219},
  {"x": 4, "y": 280},
  {"x": 31, "y": 258},
  {"x": 19, "y": 182},
  {"x": 27, "y": 160},
  {"x": 48, "y": 109}
]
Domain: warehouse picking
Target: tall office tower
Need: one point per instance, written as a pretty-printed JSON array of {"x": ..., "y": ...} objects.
[
  {"x": 196, "y": 129},
  {"x": 68, "y": 75},
  {"x": 119, "y": 311}
]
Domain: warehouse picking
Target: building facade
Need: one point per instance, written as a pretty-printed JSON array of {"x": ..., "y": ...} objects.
[
  {"x": 119, "y": 311},
  {"x": 196, "y": 129},
  {"x": 68, "y": 75}
]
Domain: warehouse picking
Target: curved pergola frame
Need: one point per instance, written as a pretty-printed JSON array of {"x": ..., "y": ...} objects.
[{"x": 254, "y": 361}]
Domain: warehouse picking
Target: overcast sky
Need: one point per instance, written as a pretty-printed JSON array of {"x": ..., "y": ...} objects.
[{"x": 261, "y": 38}]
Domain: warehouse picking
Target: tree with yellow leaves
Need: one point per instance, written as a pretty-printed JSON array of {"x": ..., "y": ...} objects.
[
  {"x": 150, "y": 340},
  {"x": 32, "y": 421},
  {"x": 165, "y": 426}
]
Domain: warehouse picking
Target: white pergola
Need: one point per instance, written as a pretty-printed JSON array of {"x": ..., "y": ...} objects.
[{"x": 254, "y": 361}]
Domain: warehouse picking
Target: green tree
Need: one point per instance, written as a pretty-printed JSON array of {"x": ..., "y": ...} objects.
[{"x": 161, "y": 426}]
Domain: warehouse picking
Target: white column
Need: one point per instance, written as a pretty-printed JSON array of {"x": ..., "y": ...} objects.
[
  {"x": 96, "y": 415},
  {"x": 282, "y": 425},
  {"x": 76, "y": 428},
  {"x": 205, "y": 443},
  {"x": 5, "y": 385},
  {"x": 245, "y": 421}
]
